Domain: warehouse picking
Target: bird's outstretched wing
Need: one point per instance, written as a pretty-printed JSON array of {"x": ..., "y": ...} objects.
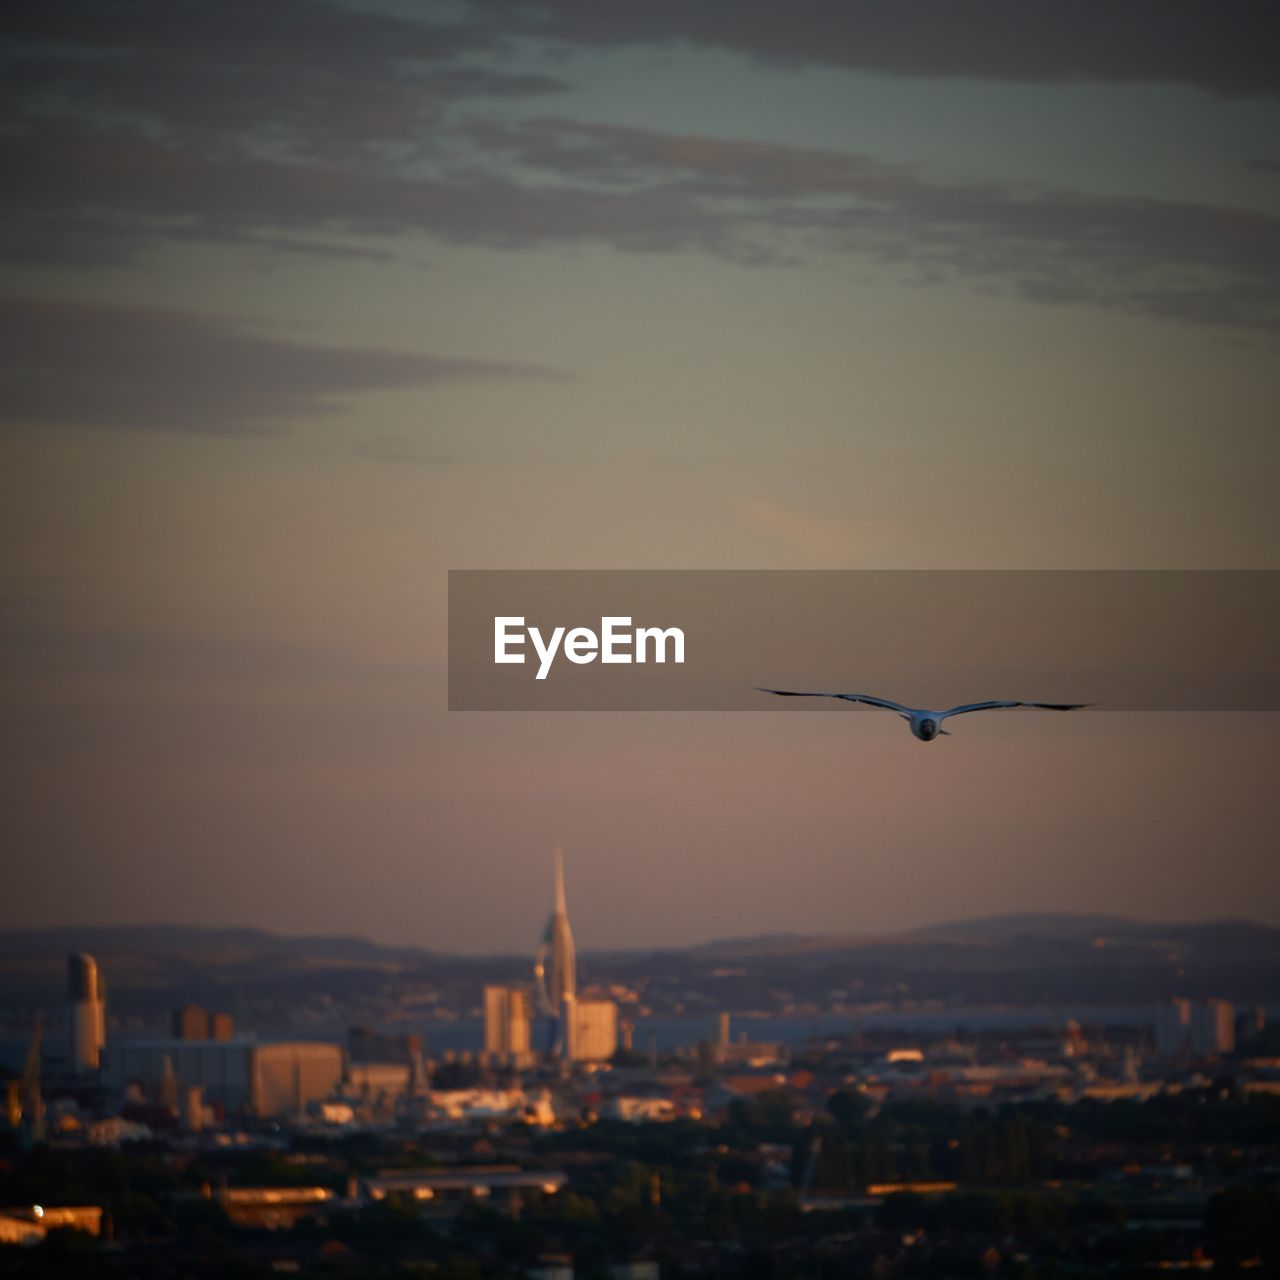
[
  {"x": 847, "y": 697},
  {"x": 991, "y": 706}
]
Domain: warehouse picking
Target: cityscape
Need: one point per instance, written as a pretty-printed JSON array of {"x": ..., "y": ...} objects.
[
  {"x": 920, "y": 1139},
  {"x": 638, "y": 641}
]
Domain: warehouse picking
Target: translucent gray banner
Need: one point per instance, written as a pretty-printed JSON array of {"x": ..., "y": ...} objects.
[{"x": 588, "y": 640}]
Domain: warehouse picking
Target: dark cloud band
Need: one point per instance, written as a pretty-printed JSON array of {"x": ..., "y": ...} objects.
[
  {"x": 328, "y": 130},
  {"x": 64, "y": 364}
]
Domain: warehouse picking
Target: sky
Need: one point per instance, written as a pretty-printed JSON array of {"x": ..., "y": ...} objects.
[{"x": 303, "y": 305}]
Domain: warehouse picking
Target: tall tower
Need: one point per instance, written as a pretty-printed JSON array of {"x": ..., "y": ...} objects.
[
  {"x": 556, "y": 968},
  {"x": 87, "y": 1014}
]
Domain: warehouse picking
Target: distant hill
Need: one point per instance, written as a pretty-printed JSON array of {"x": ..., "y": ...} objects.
[
  {"x": 266, "y": 979},
  {"x": 200, "y": 941},
  {"x": 1028, "y": 927},
  {"x": 1029, "y": 924},
  {"x": 254, "y": 973}
]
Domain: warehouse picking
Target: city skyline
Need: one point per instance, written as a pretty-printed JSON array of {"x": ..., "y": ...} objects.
[{"x": 431, "y": 433}]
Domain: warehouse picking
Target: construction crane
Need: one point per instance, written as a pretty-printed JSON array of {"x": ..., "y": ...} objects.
[
  {"x": 811, "y": 1164},
  {"x": 32, "y": 1099}
]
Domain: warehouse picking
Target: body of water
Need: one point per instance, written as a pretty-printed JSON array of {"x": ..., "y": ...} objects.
[{"x": 467, "y": 1035}]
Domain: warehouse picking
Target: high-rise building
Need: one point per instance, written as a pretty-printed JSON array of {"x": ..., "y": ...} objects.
[
  {"x": 1173, "y": 1021},
  {"x": 193, "y": 1108},
  {"x": 595, "y": 1030},
  {"x": 556, "y": 968},
  {"x": 191, "y": 1022},
  {"x": 87, "y": 1021},
  {"x": 30, "y": 1100},
  {"x": 1201, "y": 1030},
  {"x": 507, "y": 1024},
  {"x": 1213, "y": 1028}
]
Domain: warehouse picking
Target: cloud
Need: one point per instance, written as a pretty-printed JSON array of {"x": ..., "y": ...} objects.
[
  {"x": 363, "y": 73},
  {"x": 1225, "y": 48},
  {"x": 329, "y": 130},
  {"x": 145, "y": 121},
  {"x": 1176, "y": 260},
  {"x": 302, "y": 77},
  {"x": 91, "y": 199},
  {"x": 68, "y": 364}
]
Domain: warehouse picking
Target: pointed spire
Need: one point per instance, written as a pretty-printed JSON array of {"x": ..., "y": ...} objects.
[{"x": 561, "y": 908}]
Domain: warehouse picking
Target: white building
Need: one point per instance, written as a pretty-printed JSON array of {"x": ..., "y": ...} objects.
[
  {"x": 595, "y": 1030},
  {"x": 470, "y": 1106},
  {"x": 639, "y": 1110}
]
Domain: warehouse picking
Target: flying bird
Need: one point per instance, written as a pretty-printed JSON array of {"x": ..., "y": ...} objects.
[{"x": 926, "y": 725}]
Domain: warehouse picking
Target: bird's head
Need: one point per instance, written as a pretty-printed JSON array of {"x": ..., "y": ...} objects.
[{"x": 927, "y": 730}]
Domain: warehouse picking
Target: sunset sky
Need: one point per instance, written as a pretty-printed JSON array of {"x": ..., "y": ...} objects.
[{"x": 303, "y": 305}]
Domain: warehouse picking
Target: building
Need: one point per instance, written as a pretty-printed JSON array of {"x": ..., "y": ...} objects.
[
  {"x": 454, "y": 1108},
  {"x": 1172, "y": 1028},
  {"x": 595, "y": 1030},
  {"x": 1213, "y": 1028},
  {"x": 274, "y": 1208},
  {"x": 88, "y": 1014},
  {"x": 367, "y": 1045},
  {"x": 555, "y": 969},
  {"x": 639, "y": 1109},
  {"x": 1202, "y": 1030},
  {"x": 191, "y": 1022},
  {"x": 507, "y": 1024},
  {"x": 751, "y": 1053},
  {"x": 446, "y": 1192},
  {"x": 192, "y": 1114},
  {"x": 237, "y": 1075},
  {"x": 30, "y": 1223}
]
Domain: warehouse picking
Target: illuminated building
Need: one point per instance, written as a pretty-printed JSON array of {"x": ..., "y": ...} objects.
[
  {"x": 191, "y": 1022},
  {"x": 276, "y": 1079},
  {"x": 555, "y": 969},
  {"x": 595, "y": 1030},
  {"x": 30, "y": 1224},
  {"x": 507, "y": 1024},
  {"x": 1213, "y": 1028},
  {"x": 1201, "y": 1030},
  {"x": 88, "y": 1027}
]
